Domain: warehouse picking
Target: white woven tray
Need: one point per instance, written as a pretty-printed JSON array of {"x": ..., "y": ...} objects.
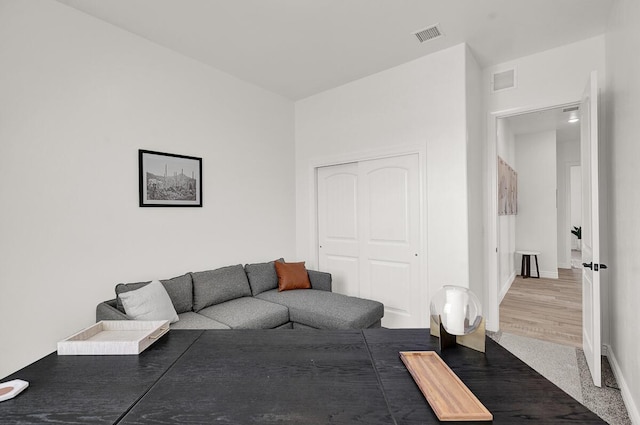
[{"x": 114, "y": 337}]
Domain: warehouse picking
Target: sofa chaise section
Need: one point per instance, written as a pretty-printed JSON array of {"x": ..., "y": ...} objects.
[{"x": 311, "y": 308}]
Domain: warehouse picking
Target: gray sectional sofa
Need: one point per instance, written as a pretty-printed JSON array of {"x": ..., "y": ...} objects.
[{"x": 237, "y": 297}]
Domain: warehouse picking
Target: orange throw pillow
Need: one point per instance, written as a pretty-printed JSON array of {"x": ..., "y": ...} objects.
[{"x": 292, "y": 276}]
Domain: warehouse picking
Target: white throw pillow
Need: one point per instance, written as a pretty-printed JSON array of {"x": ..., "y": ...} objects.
[{"x": 151, "y": 302}]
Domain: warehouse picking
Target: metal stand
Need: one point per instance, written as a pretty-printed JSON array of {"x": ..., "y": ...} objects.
[
  {"x": 446, "y": 339},
  {"x": 474, "y": 340}
]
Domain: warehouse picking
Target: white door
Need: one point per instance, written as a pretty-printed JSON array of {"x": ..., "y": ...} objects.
[
  {"x": 338, "y": 226},
  {"x": 369, "y": 234},
  {"x": 590, "y": 228},
  {"x": 390, "y": 238}
]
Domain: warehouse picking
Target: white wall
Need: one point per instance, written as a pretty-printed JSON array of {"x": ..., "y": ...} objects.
[
  {"x": 622, "y": 148},
  {"x": 418, "y": 103},
  {"x": 568, "y": 157},
  {"x": 475, "y": 161},
  {"x": 79, "y": 98},
  {"x": 536, "y": 222},
  {"x": 506, "y": 223},
  {"x": 553, "y": 77}
]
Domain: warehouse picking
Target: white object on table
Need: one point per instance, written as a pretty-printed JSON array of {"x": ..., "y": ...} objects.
[
  {"x": 114, "y": 337},
  {"x": 10, "y": 389},
  {"x": 454, "y": 312}
]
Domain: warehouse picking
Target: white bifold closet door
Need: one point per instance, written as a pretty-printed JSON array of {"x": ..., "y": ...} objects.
[{"x": 369, "y": 234}]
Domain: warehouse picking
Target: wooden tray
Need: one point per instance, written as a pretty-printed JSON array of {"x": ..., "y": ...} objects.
[
  {"x": 114, "y": 337},
  {"x": 447, "y": 395}
]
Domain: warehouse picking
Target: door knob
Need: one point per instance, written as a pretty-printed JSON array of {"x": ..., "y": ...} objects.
[{"x": 594, "y": 267}]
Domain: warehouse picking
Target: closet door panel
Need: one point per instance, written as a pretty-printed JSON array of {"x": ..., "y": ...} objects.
[{"x": 338, "y": 226}]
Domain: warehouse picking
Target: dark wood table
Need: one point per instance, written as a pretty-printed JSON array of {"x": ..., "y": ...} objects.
[{"x": 278, "y": 376}]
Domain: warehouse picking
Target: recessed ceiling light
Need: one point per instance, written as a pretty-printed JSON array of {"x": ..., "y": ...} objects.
[{"x": 574, "y": 117}]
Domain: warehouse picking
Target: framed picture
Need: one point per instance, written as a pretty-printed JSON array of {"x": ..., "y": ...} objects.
[
  {"x": 169, "y": 180},
  {"x": 507, "y": 189}
]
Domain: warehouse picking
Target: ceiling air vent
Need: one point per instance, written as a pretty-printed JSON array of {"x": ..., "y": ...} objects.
[
  {"x": 428, "y": 33},
  {"x": 503, "y": 80}
]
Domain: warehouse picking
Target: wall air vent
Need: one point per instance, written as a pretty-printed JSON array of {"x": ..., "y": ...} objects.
[
  {"x": 571, "y": 109},
  {"x": 428, "y": 33},
  {"x": 503, "y": 80}
]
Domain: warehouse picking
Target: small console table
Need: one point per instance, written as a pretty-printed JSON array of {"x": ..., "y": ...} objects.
[{"x": 525, "y": 267}]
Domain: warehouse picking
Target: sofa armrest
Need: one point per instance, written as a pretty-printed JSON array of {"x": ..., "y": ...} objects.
[
  {"x": 107, "y": 311},
  {"x": 320, "y": 280}
]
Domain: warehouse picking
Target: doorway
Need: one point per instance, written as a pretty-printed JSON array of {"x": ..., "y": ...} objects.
[
  {"x": 541, "y": 146},
  {"x": 592, "y": 297}
]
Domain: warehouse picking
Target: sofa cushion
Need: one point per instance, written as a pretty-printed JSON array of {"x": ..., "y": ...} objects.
[
  {"x": 262, "y": 276},
  {"x": 320, "y": 280},
  {"x": 326, "y": 310},
  {"x": 217, "y": 286},
  {"x": 179, "y": 288},
  {"x": 248, "y": 313},
  {"x": 150, "y": 302},
  {"x": 191, "y": 320},
  {"x": 292, "y": 276}
]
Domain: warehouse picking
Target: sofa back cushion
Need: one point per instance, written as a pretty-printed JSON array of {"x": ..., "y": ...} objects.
[
  {"x": 180, "y": 290},
  {"x": 150, "y": 302},
  {"x": 217, "y": 286},
  {"x": 262, "y": 276}
]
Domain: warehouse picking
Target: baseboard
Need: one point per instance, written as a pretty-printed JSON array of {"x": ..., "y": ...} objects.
[
  {"x": 543, "y": 274},
  {"x": 506, "y": 286},
  {"x": 548, "y": 275},
  {"x": 632, "y": 408},
  {"x": 564, "y": 265}
]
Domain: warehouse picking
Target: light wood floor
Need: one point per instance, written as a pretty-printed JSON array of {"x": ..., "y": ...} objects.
[{"x": 547, "y": 309}]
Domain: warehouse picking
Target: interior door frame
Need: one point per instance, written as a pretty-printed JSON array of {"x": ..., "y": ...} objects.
[
  {"x": 568, "y": 212},
  {"x": 367, "y": 155},
  {"x": 492, "y": 295}
]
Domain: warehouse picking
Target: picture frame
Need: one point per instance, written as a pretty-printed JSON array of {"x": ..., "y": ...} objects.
[
  {"x": 507, "y": 189},
  {"x": 169, "y": 180}
]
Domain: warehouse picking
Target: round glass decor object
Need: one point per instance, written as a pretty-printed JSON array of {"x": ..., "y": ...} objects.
[{"x": 459, "y": 309}]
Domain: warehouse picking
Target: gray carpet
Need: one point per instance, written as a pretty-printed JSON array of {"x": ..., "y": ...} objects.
[{"x": 567, "y": 368}]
